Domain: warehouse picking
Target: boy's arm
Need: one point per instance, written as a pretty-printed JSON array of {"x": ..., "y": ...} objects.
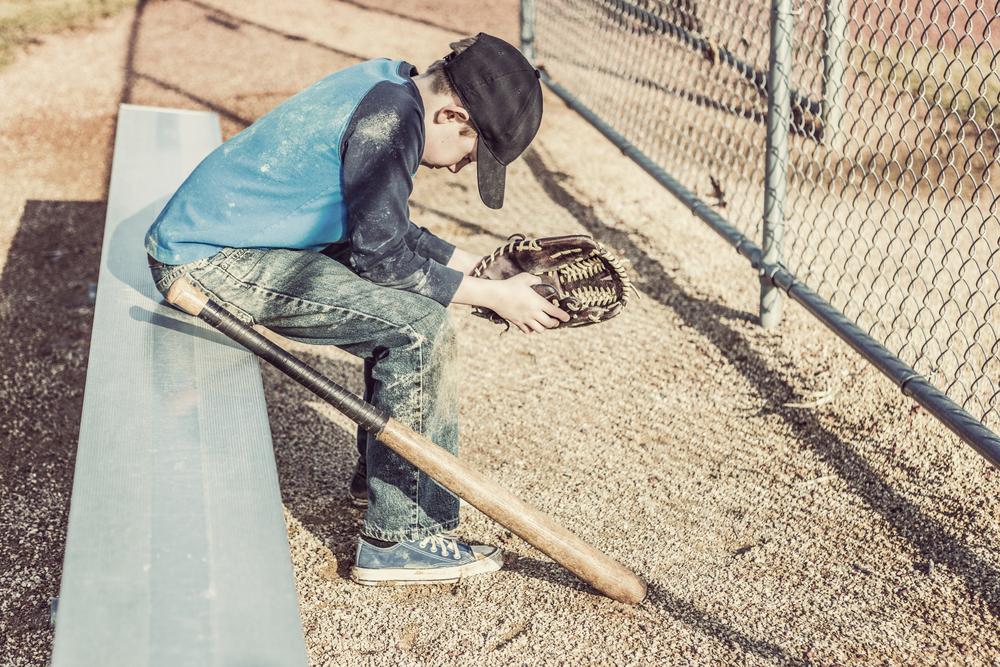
[
  {"x": 427, "y": 244},
  {"x": 381, "y": 150}
]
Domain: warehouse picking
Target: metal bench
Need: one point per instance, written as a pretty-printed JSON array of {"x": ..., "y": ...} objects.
[{"x": 176, "y": 552}]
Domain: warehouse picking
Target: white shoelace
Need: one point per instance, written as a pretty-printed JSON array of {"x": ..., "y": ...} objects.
[{"x": 444, "y": 543}]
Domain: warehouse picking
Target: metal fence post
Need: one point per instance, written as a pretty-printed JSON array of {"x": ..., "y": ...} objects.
[
  {"x": 528, "y": 29},
  {"x": 834, "y": 38},
  {"x": 776, "y": 155}
]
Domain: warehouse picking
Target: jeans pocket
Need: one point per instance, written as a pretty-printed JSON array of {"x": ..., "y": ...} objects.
[
  {"x": 164, "y": 275},
  {"x": 239, "y": 262}
]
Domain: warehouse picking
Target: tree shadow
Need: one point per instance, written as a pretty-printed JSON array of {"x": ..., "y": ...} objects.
[
  {"x": 927, "y": 536},
  {"x": 411, "y": 17},
  {"x": 690, "y": 615},
  {"x": 234, "y": 22},
  {"x": 218, "y": 16}
]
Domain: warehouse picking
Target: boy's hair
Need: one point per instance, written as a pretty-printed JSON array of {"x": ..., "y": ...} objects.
[{"x": 439, "y": 80}]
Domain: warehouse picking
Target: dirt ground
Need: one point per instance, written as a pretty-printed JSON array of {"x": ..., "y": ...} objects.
[{"x": 680, "y": 437}]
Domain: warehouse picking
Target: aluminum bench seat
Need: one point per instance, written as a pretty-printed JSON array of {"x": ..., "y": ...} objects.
[{"x": 176, "y": 550}]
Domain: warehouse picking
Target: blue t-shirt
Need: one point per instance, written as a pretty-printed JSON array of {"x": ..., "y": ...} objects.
[{"x": 330, "y": 169}]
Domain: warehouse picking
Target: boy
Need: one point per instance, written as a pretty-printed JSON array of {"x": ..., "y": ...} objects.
[{"x": 300, "y": 223}]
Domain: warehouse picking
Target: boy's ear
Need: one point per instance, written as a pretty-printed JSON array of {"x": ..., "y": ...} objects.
[{"x": 451, "y": 113}]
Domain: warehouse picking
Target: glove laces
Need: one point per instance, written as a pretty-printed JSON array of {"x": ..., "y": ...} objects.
[
  {"x": 581, "y": 270},
  {"x": 516, "y": 242}
]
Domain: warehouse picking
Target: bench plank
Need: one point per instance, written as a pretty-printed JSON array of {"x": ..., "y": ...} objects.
[{"x": 176, "y": 551}]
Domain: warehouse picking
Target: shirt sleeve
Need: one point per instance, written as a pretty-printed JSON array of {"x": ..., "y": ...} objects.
[
  {"x": 425, "y": 242},
  {"x": 380, "y": 152}
]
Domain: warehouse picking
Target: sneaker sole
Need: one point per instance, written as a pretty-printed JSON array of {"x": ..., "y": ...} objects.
[{"x": 429, "y": 575}]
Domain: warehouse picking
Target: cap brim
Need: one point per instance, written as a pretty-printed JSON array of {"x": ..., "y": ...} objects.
[{"x": 491, "y": 175}]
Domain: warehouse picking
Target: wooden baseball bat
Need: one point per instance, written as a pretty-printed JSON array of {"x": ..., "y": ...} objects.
[{"x": 536, "y": 528}]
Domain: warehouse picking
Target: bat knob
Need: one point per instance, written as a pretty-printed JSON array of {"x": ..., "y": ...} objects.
[{"x": 184, "y": 295}]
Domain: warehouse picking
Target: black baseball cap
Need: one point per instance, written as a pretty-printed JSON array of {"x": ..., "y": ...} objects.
[{"x": 500, "y": 90}]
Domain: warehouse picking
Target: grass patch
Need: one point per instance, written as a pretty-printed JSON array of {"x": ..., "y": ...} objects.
[
  {"x": 24, "y": 21},
  {"x": 962, "y": 82}
]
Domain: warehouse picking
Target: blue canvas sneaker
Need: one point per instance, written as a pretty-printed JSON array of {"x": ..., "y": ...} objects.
[{"x": 437, "y": 559}]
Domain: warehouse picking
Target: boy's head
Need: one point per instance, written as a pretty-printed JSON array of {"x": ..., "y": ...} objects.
[{"x": 485, "y": 107}]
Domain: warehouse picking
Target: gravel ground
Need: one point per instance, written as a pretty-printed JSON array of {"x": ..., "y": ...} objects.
[{"x": 680, "y": 437}]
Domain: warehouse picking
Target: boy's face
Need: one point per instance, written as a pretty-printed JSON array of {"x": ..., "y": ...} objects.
[{"x": 444, "y": 144}]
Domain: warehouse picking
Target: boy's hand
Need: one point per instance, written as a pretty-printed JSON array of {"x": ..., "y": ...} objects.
[
  {"x": 522, "y": 306},
  {"x": 575, "y": 272}
]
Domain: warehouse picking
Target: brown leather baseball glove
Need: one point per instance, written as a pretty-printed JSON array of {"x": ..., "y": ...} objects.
[{"x": 578, "y": 274}]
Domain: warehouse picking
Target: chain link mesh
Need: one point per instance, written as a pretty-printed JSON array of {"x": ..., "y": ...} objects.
[{"x": 892, "y": 204}]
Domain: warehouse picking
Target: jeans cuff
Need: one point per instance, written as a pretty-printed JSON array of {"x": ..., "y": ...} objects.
[{"x": 407, "y": 534}]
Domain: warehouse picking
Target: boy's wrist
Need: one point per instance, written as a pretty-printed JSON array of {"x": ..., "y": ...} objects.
[
  {"x": 479, "y": 292},
  {"x": 463, "y": 261}
]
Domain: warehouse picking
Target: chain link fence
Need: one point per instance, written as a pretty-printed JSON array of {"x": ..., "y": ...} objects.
[{"x": 890, "y": 190}]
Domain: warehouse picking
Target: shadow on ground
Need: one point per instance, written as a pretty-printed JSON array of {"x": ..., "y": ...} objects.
[{"x": 46, "y": 311}]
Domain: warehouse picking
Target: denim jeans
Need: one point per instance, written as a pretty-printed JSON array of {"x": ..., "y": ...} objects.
[{"x": 405, "y": 339}]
